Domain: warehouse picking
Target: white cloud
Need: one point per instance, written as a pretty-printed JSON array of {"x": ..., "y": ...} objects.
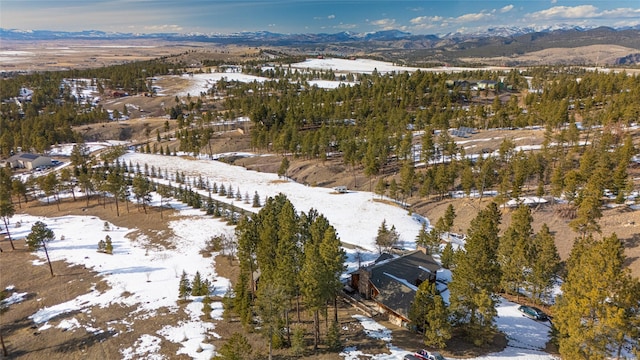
[
  {"x": 627, "y": 23},
  {"x": 428, "y": 22},
  {"x": 566, "y": 12},
  {"x": 621, "y": 13},
  {"x": 584, "y": 12},
  {"x": 506, "y": 8},
  {"x": 422, "y": 20},
  {"x": 473, "y": 17},
  {"x": 342, "y": 26},
  {"x": 330, "y": 17},
  {"x": 422, "y": 23},
  {"x": 163, "y": 27},
  {"x": 554, "y": 1},
  {"x": 385, "y": 24}
]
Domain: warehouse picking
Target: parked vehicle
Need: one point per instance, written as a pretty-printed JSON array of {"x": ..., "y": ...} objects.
[
  {"x": 411, "y": 357},
  {"x": 428, "y": 355},
  {"x": 533, "y": 312}
]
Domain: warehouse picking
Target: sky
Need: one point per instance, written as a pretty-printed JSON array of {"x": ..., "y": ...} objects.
[{"x": 310, "y": 16}]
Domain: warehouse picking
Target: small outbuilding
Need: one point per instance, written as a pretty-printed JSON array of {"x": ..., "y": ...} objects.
[{"x": 341, "y": 189}]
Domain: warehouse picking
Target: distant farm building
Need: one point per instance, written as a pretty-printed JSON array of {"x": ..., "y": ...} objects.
[
  {"x": 115, "y": 93},
  {"x": 230, "y": 68},
  {"x": 28, "y": 161},
  {"x": 489, "y": 85},
  {"x": 25, "y": 94}
]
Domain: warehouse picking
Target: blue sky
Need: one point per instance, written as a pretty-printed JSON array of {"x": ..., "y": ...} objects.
[{"x": 308, "y": 16}]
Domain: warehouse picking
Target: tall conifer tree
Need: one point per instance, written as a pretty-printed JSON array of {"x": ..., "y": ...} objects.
[
  {"x": 595, "y": 313},
  {"x": 476, "y": 276}
]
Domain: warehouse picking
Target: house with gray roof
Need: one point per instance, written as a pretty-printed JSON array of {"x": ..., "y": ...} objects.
[
  {"x": 392, "y": 282},
  {"x": 27, "y": 161}
]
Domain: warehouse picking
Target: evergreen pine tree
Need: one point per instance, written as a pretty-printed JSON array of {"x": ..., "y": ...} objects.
[
  {"x": 381, "y": 187},
  {"x": 599, "y": 300},
  {"x": 334, "y": 343},
  {"x": 312, "y": 281},
  {"x": 108, "y": 246},
  {"x": 449, "y": 217},
  {"x": 242, "y": 301},
  {"x": 184, "y": 288},
  {"x": 206, "y": 307},
  {"x": 439, "y": 329},
  {"x": 236, "y": 348},
  {"x": 476, "y": 276},
  {"x": 38, "y": 238},
  {"x": 333, "y": 257},
  {"x": 228, "y": 302},
  {"x": 430, "y": 240},
  {"x": 284, "y": 167},
  {"x": 589, "y": 204},
  {"x": 269, "y": 306},
  {"x": 387, "y": 238},
  {"x": 545, "y": 263},
  {"x": 514, "y": 248},
  {"x": 196, "y": 285},
  {"x": 101, "y": 246},
  {"x": 256, "y": 200},
  {"x": 297, "y": 341},
  {"x": 447, "y": 256},
  {"x": 422, "y": 304}
]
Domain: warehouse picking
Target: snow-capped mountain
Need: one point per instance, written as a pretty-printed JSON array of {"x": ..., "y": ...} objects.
[
  {"x": 561, "y": 33},
  {"x": 386, "y": 35}
]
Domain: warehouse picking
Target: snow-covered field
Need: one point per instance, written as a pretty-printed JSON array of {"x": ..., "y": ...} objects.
[
  {"x": 151, "y": 274},
  {"x": 202, "y": 82},
  {"x": 355, "y": 215},
  {"x": 367, "y": 66},
  {"x": 361, "y": 66}
]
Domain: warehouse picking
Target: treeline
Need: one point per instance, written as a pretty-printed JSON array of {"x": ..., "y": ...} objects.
[
  {"x": 394, "y": 127},
  {"x": 122, "y": 182},
  {"x": 375, "y": 125},
  {"x": 52, "y": 112},
  {"x": 283, "y": 112}
]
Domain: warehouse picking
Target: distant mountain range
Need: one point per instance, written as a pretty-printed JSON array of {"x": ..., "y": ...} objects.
[
  {"x": 390, "y": 44},
  {"x": 270, "y": 38}
]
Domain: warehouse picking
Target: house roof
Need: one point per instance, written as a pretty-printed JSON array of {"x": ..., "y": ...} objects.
[
  {"x": 396, "y": 279},
  {"x": 23, "y": 157}
]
